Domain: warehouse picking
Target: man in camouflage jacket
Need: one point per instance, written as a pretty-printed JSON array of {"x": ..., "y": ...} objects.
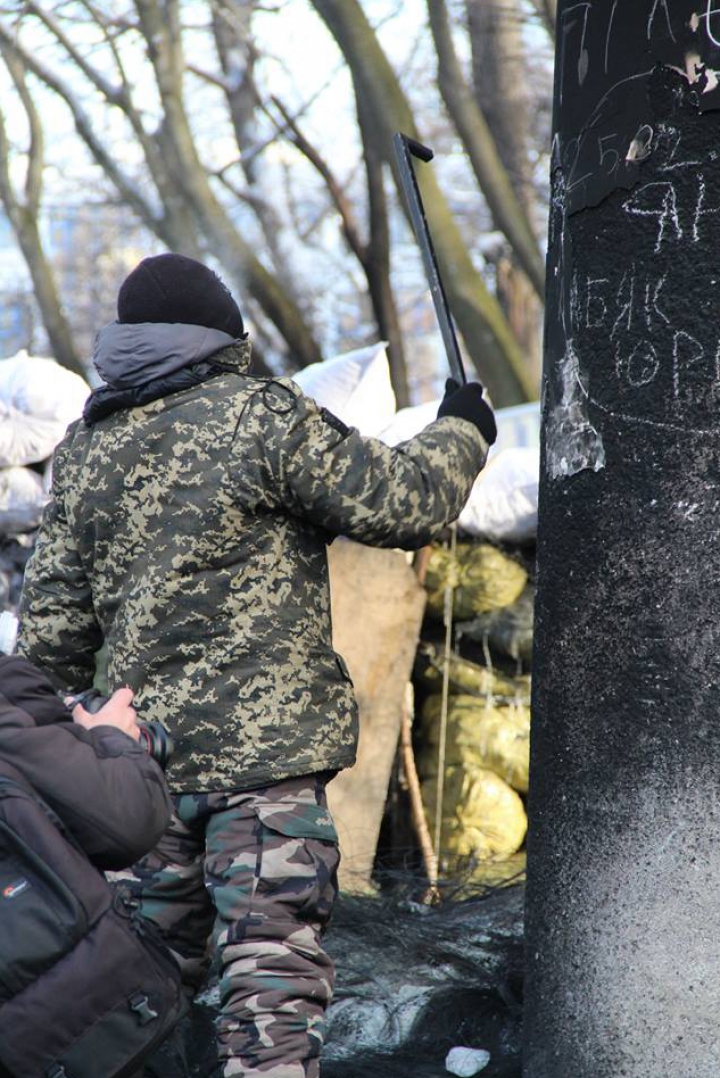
[{"x": 187, "y": 530}]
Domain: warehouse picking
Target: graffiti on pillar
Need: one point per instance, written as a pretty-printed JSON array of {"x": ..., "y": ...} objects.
[
  {"x": 648, "y": 328},
  {"x": 607, "y": 130},
  {"x": 637, "y": 339}
]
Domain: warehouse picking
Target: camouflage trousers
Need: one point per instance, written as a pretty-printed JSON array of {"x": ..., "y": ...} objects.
[{"x": 251, "y": 875}]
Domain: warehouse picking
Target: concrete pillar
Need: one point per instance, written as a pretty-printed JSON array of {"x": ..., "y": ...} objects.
[{"x": 623, "y": 898}]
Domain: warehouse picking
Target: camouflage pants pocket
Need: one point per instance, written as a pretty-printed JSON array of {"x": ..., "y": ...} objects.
[{"x": 298, "y": 862}]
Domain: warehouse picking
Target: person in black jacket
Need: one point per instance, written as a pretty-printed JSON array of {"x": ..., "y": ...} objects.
[{"x": 92, "y": 769}]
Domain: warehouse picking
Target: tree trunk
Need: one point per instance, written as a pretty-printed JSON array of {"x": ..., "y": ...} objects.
[
  {"x": 377, "y": 260},
  {"x": 59, "y": 334},
  {"x": 507, "y": 209},
  {"x": 161, "y": 30},
  {"x": 500, "y": 81},
  {"x": 24, "y": 217}
]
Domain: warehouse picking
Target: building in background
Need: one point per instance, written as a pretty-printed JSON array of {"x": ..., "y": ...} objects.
[{"x": 91, "y": 248}]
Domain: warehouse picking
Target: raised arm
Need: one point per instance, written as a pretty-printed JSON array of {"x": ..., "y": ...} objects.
[{"x": 331, "y": 475}]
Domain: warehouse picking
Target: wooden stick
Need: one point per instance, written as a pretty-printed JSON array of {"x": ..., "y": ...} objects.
[{"x": 407, "y": 758}]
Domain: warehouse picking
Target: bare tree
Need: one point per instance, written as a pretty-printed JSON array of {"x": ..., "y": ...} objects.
[
  {"x": 508, "y": 210},
  {"x": 23, "y": 211},
  {"x": 191, "y": 217},
  {"x": 502, "y": 80},
  {"x": 194, "y": 203},
  {"x": 488, "y": 337}
]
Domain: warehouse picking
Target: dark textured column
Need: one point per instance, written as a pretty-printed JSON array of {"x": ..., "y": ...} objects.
[{"x": 623, "y": 899}]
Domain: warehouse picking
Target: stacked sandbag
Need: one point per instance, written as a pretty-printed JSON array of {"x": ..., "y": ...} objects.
[
  {"x": 508, "y": 630},
  {"x": 481, "y": 735},
  {"x": 38, "y": 399},
  {"x": 465, "y": 676},
  {"x": 485, "y": 758},
  {"x": 481, "y": 576},
  {"x": 22, "y": 499},
  {"x": 354, "y": 386},
  {"x": 503, "y": 503}
]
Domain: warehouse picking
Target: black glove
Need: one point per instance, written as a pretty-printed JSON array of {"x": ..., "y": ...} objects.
[{"x": 467, "y": 402}]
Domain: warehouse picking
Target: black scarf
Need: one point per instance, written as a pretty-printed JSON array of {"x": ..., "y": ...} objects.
[{"x": 105, "y": 400}]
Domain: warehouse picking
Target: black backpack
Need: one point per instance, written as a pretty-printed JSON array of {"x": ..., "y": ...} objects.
[{"x": 87, "y": 989}]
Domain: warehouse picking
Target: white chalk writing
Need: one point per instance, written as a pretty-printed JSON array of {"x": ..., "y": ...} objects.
[
  {"x": 657, "y": 199},
  {"x": 709, "y": 12},
  {"x": 701, "y": 210},
  {"x": 635, "y": 318},
  {"x": 651, "y": 20},
  {"x": 595, "y": 304}
]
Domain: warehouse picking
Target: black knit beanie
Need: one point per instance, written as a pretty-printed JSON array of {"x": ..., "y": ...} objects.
[{"x": 173, "y": 288}]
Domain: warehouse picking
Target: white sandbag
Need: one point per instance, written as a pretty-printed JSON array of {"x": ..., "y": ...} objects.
[
  {"x": 503, "y": 503},
  {"x": 517, "y": 427},
  {"x": 355, "y": 387},
  {"x": 38, "y": 399},
  {"x": 408, "y": 422},
  {"x": 22, "y": 500},
  {"x": 8, "y": 632}
]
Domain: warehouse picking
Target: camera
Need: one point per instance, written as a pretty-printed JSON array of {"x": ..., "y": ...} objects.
[{"x": 155, "y": 737}]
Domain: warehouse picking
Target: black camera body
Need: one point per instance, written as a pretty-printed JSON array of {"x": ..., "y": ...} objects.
[{"x": 155, "y": 737}]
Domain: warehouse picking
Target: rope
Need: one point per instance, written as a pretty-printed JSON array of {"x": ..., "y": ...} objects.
[{"x": 447, "y": 652}]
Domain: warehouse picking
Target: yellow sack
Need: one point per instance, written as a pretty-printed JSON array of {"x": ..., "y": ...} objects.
[
  {"x": 483, "y": 578},
  {"x": 479, "y": 735},
  {"x": 468, "y": 677},
  {"x": 482, "y": 818},
  {"x": 496, "y": 873}
]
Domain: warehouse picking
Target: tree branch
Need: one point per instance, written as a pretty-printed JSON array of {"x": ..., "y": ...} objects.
[
  {"x": 25, "y": 225},
  {"x": 172, "y": 228},
  {"x": 36, "y": 153},
  {"x": 110, "y": 93},
  {"x": 161, "y": 30},
  {"x": 84, "y": 127},
  {"x": 340, "y": 201},
  {"x": 7, "y": 192},
  {"x": 377, "y": 264}
]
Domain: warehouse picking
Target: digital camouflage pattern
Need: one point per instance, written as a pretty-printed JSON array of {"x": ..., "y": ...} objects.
[
  {"x": 189, "y": 534},
  {"x": 266, "y": 860}
]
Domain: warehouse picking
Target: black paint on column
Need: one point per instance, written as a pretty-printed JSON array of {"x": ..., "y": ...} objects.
[{"x": 623, "y": 901}]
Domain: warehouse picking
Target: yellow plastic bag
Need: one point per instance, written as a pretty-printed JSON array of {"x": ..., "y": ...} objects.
[
  {"x": 479, "y": 735},
  {"x": 468, "y": 677},
  {"x": 482, "y": 576},
  {"x": 483, "y": 818}
]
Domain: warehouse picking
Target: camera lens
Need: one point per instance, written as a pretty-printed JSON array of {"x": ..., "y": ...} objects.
[{"x": 158, "y": 741}]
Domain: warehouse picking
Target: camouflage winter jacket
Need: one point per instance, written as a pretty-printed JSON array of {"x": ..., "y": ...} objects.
[{"x": 188, "y": 533}]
